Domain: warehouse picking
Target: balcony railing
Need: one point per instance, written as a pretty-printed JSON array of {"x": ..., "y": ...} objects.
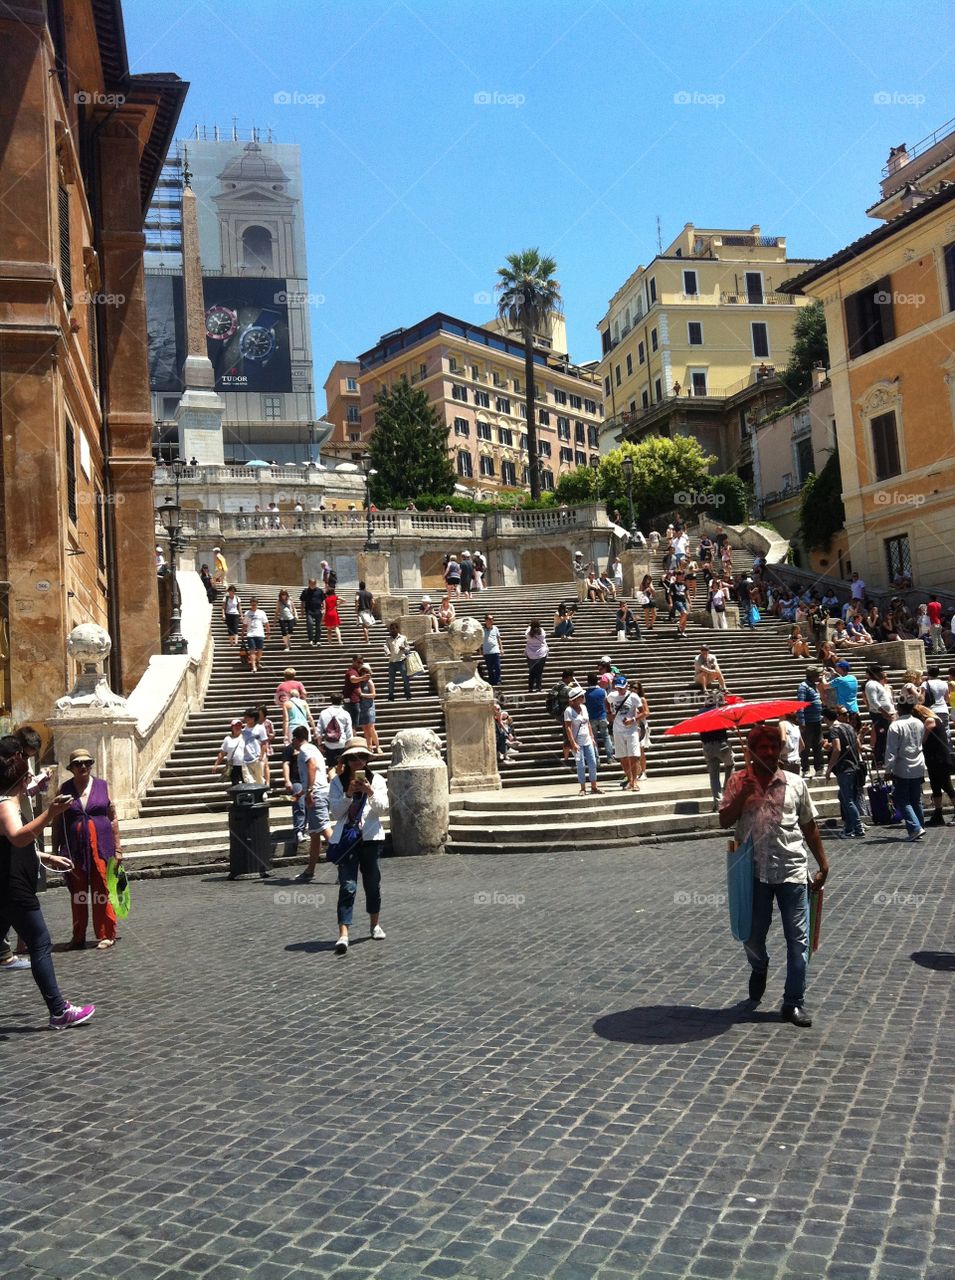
[{"x": 766, "y": 300}]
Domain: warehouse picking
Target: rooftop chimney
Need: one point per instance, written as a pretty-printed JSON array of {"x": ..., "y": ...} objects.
[
  {"x": 898, "y": 156},
  {"x": 818, "y": 374}
]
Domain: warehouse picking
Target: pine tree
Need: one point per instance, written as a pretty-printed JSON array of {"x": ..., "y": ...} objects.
[{"x": 408, "y": 448}]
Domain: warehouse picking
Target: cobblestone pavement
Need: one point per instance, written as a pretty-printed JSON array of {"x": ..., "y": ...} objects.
[{"x": 545, "y": 1071}]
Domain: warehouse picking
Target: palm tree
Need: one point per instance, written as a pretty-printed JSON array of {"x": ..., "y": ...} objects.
[{"x": 529, "y": 297}]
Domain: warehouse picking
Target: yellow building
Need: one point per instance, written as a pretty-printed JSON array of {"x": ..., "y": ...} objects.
[
  {"x": 474, "y": 378},
  {"x": 342, "y": 398},
  {"x": 889, "y": 300},
  {"x": 700, "y": 323}
]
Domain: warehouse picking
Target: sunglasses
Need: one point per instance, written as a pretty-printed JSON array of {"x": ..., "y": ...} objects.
[{"x": 82, "y": 764}]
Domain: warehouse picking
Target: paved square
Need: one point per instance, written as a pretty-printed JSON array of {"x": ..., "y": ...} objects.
[{"x": 544, "y": 1072}]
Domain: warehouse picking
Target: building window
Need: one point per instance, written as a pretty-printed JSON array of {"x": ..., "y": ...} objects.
[
  {"x": 354, "y": 436},
  {"x": 652, "y": 291},
  {"x": 869, "y": 319},
  {"x": 566, "y": 455},
  {"x": 805, "y": 463},
  {"x": 641, "y": 353},
  {"x": 482, "y": 399},
  {"x": 547, "y": 481},
  {"x": 590, "y": 406},
  {"x": 522, "y": 409},
  {"x": 486, "y": 465},
  {"x": 508, "y": 473},
  {"x": 475, "y": 373},
  {"x": 70, "y": 450},
  {"x": 560, "y": 397},
  {"x": 576, "y": 402},
  {"x": 607, "y": 384},
  {"x": 579, "y": 432},
  {"x": 543, "y": 417},
  {"x": 754, "y": 286},
  {"x": 517, "y": 386},
  {"x": 563, "y": 428},
  {"x": 646, "y": 399},
  {"x": 522, "y": 443},
  {"x": 353, "y": 413},
  {"x": 505, "y": 436},
  {"x": 351, "y": 384},
  {"x": 616, "y": 374},
  {"x": 885, "y": 445},
  {"x": 462, "y": 427},
  {"x": 461, "y": 393},
  {"x": 580, "y": 458},
  {"x": 689, "y": 283},
  {"x": 257, "y": 249},
  {"x": 629, "y": 365},
  {"x": 949, "y": 255},
  {"x": 484, "y": 431},
  {"x": 544, "y": 448},
  {"x": 658, "y": 390},
  {"x": 593, "y": 433},
  {"x": 698, "y": 381},
  {"x": 465, "y": 466},
  {"x": 422, "y": 370},
  {"x": 653, "y": 340},
  {"x": 694, "y": 333},
  {"x": 760, "y": 340},
  {"x": 898, "y": 557},
  {"x": 272, "y": 408},
  {"x": 503, "y": 404},
  {"x": 100, "y": 512}
]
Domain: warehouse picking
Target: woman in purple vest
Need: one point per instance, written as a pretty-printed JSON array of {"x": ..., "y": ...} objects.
[{"x": 88, "y": 834}]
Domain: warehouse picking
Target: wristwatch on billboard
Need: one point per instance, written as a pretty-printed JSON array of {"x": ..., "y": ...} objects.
[
  {"x": 257, "y": 341},
  {"x": 221, "y": 322}
]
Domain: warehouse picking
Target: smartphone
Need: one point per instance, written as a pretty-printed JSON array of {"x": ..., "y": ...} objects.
[{"x": 360, "y": 776}]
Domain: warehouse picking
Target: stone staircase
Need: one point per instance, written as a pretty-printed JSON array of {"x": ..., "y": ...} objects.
[{"x": 184, "y": 814}]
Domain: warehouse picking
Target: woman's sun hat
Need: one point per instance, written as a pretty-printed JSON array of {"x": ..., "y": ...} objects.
[{"x": 356, "y": 747}]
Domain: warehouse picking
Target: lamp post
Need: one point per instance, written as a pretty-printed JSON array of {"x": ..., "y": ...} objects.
[
  {"x": 170, "y": 513},
  {"x": 627, "y": 467},
  {"x": 368, "y": 471}
]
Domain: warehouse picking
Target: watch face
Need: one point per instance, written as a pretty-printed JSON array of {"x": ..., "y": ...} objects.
[
  {"x": 221, "y": 323},
  {"x": 257, "y": 343}
]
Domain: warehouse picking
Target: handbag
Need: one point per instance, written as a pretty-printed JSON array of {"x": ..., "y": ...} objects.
[
  {"x": 350, "y": 836},
  {"x": 415, "y": 663}
]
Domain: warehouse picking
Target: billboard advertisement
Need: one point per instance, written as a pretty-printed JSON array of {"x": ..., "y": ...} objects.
[
  {"x": 247, "y": 334},
  {"x": 165, "y": 331}
]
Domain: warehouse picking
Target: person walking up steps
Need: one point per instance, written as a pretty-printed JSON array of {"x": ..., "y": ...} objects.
[{"x": 358, "y": 796}]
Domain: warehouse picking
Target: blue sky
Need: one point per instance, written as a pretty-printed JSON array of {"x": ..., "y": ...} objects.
[{"x": 601, "y": 117}]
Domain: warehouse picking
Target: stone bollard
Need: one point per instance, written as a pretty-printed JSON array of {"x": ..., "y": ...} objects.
[
  {"x": 417, "y": 794},
  {"x": 468, "y": 704}
]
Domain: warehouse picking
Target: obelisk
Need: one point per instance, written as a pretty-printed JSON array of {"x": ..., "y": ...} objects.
[{"x": 201, "y": 409}]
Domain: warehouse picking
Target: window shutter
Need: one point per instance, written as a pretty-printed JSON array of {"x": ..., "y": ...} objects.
[
  {"x": 853, "y": 335},
  {"x": 71, "y": 471},
  {"x": 883, "y": 288},
  {"x": 66, "y": 260}
]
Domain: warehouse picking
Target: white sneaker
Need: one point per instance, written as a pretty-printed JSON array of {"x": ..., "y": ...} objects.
[
  {"x": 341, "y": 946},
  {"x": 378, "y": 933},
  {"x": 304, "y": 837}
]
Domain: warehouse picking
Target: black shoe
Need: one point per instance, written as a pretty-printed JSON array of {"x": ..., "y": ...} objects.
[
  {"x": 937, "y": 819},
  {"x": 796, "y": 1014},
  {"x": 757, "y": 985}
]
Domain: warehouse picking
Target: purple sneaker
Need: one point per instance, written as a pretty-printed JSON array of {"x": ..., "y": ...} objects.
[{"x": 72, "y": 1016}]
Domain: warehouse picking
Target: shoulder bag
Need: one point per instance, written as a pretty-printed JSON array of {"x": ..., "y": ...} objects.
[{"x": 350, "y": 836}]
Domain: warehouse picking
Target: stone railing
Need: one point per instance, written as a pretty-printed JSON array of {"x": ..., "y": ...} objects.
[{"x": 761, "y": 542}]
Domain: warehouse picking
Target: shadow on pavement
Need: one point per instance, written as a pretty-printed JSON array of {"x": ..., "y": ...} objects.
[
  {"x": 675, "y": 1023},
  {"x": 323, "y": 945},
  {"x": 941, "y": 960}
]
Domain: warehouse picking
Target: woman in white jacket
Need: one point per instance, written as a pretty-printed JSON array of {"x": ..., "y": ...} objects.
[{"x": 358, "y": 795}]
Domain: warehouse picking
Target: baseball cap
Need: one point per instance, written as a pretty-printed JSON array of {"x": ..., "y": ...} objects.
[{"x": 842, "y": 666}]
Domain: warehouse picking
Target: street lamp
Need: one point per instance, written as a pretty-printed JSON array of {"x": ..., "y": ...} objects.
[
  {"x": 368, "y": 471},
  {"x": 627, "y": 467},
  {"x": 170, "y": 513}
]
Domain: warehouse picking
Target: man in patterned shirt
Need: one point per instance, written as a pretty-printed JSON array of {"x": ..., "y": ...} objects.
[{"x": 773, "y": 808}]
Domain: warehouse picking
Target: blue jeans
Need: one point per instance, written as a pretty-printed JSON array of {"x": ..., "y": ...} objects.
[
  {"x": 851, "y": 817},
  {"x": 364, "y": 858},
  {"x": 493, "y": 663},
  {"x": 794, "y": 912},
  {"x": 313, "y": 627},
  {"x": 907, "y": 794},
  {"x": 586, "y": 760},
  {"x": 601, "y": 728},
  {"x": 393, "y": 669},
  {"x": 298, "y": 813},
  {"x": 31, "y": 927}
]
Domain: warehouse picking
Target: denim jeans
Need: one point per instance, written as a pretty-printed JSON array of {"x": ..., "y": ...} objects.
[
  {"x": 313, "y": 627},
  {"x": 535, "y": 674},
  {"x": 364, "y": 858},
  {"x": 298, "y": 813},
  {"x": 793, "y": 902},
  {"x": 31, "y": 927},
  {"x": 493, "y": 663},
  {"x": 601, "y": 729},
  {"x": 394, "y": 668},
  {"x": 586, "y": 761},
  {"x": 851, "y": 818},
  {"x": 719, "y": 758},
  {"x": 907, "y": 794}
]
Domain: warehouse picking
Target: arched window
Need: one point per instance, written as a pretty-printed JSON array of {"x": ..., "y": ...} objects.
[{"x": 257, "y": 249}]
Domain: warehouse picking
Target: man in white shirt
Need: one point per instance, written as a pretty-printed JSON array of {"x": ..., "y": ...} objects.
[
  {"x": 706, "y": 669},
  {"x": 255, "y": 628},
  {"x": 314, "y": 778},
  {"x": 580, "y": 739},
  {"x": 334, "y": 730},
  {"x": 255, "y": 737},
  {"x": 681, "y": 545},
  {"x": 881, "y": 704},
  {"x": 857, "y": 588}
]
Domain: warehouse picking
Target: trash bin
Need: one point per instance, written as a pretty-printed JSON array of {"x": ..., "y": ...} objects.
[{"x": 250, "y": 844}]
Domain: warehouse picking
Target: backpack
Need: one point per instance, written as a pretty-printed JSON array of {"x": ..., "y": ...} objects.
[
  {"x": 333, "y": 732},
  {"x": 553, "y": 701}
]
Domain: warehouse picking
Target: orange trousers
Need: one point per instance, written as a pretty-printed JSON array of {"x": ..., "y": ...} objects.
[{"x": 89, "y": 890}]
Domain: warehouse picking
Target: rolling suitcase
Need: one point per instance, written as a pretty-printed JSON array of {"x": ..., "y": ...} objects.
[{"x": 879, "y": 792}]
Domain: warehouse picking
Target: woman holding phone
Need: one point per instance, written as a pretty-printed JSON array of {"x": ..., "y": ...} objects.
[
  {"x": 358, "y": 796},
  {"x": 19, "y": 867}
]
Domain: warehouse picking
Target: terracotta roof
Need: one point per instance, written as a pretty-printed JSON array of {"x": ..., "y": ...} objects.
[{"x": 944, "y": 195}]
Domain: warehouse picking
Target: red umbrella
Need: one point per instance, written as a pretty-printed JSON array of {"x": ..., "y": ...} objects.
[{"x": 734, "y": 714}]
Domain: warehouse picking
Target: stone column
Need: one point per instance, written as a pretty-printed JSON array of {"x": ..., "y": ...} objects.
[
  {"x": 635, "y": 565},
  {"x": 373, "y": 571},
  {"x": 418, "y": 794},
  {"x": 468, "y": 703}
]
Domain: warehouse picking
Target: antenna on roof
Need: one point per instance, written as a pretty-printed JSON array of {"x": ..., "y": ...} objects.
[
  {"x": 235, "y": 128},
  {"x": 659, "y": 236}
]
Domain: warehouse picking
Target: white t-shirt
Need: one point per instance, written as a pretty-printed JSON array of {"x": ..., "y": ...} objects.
[
  {"x": 308, "y": 751},
  {"x": 879, "y": 697},
  {"x": 791, "y": 749},
  {"x": 580, "y": 730},
  {"x": 255, "y": 621},
  {"x": 232, "y": 604},
  {"x": 233, "y": 749},
  {"x": 857, "y": 590},
  {"x": 343, "y": 719},
  {"x": 708, "y": 663}
]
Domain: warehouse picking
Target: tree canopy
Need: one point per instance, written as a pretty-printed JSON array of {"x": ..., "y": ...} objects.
[
  {"x": 810, "y": 344},
  {"x": 667, "y": 474},
  {"x": 408, "y": 447},
  {"x": 821, "y": 511}
]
